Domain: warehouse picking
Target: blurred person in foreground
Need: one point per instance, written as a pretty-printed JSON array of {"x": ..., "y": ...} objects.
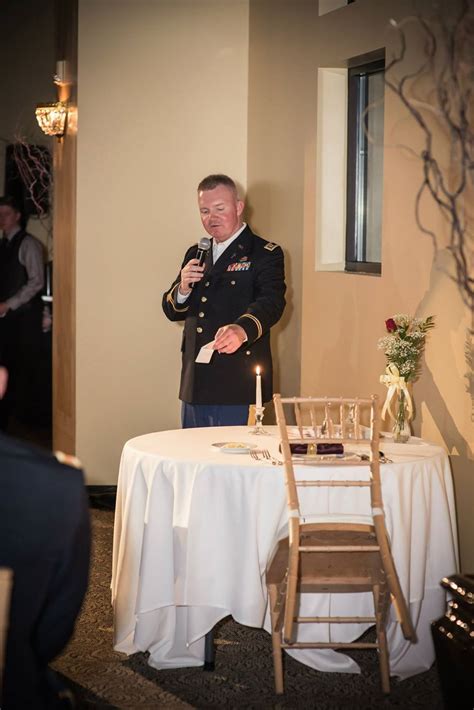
[
  {"x": 230, "y": 302},
  {"x": 45, "y": 540}
]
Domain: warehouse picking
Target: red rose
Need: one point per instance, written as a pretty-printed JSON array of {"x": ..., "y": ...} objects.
[{"x": 391, "y": 325}]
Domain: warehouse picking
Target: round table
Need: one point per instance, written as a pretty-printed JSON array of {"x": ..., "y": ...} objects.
[{"x": 195, "y": 527}]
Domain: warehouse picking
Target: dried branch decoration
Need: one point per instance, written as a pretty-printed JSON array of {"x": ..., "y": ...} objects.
[
  {"x": 34, "y": 168},
  {"x": 34, "y": 173},
  {"x": 446, "y": 72}
]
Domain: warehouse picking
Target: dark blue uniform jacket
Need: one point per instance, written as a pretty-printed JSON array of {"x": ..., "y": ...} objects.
[{"x": 246, "y": 286}]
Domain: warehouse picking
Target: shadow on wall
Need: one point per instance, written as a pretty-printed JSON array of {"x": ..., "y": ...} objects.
[
  {"x": 276, "y": 332},
  {"x": 265, "y": 196},
  {"x": 453, "y": 438},
  {"x": 469, "y": 358},
  {"x": 460, "y": 456},
  {"x": 444, "y": 301}
]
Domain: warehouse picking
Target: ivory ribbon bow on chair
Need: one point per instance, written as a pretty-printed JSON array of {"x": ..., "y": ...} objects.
[{"x": 396, "y": 384}]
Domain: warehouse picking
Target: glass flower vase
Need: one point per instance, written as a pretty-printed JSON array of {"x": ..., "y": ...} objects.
[{"x": 401, "y": 427}]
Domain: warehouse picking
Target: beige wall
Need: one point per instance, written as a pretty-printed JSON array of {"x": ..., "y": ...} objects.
[
  {"x": 343, "y": 314},
  {"x": 162, "y": 102},
  {"x": 156, "y": 79},
  {"x": 280, "y": 111},
  {"x": 340, "y": 355}
]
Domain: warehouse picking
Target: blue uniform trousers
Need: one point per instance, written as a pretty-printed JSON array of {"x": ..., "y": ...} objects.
[{"x": 199, "y": 415}]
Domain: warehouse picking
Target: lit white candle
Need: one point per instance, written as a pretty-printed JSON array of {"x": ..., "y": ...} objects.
[{"x": 258, "y": 389}]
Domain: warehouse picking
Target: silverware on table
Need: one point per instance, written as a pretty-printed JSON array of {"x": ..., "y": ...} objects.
[{"x": 264, "y": 455}]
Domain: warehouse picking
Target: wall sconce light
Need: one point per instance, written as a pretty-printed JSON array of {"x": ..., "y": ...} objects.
[{"x": 52, "y": 118}]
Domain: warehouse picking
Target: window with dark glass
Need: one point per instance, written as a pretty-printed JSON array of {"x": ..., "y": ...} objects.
[{"x": 365, "y": 167}]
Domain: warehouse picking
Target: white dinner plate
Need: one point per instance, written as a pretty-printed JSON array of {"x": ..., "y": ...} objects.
[{"x": 234, "y": 447}]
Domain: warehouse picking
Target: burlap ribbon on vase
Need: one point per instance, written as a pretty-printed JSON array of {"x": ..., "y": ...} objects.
[{"x": 396, "y": 385}]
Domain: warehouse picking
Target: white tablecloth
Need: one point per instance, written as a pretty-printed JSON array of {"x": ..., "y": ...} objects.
[{"x": 194, "y": 529}]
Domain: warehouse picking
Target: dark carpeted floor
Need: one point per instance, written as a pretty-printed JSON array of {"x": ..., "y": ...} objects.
[{"x": 102, "y": 678}]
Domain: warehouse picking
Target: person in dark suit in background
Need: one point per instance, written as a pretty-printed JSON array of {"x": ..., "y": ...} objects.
[
  {"x": 45, "y": 540},
  {"x": 233, "y": 299},
  {"x": 21, "y": 308}
]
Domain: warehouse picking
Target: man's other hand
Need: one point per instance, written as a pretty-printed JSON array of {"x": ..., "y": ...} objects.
[{"x": 229, "y": 338}]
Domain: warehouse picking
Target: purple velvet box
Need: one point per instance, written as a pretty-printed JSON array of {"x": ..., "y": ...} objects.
[{"x": 337, "y": 449}]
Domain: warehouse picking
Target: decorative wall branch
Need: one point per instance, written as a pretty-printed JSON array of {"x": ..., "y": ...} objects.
[
  {"x": 446, "y": 75},
  {"x": 32, "y": 180},
  {"x": 34, "y": 168}
]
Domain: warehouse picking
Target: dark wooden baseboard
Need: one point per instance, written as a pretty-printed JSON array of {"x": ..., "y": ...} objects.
[{"x": 102, "y": 497}]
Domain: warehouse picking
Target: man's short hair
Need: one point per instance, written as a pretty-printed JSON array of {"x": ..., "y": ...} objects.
[
  {"x": 7, "y": 201},
  {"x": 212, "y": 181}
]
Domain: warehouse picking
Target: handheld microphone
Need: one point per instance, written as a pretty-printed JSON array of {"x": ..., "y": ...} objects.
[{"x": 203, "y": 247}]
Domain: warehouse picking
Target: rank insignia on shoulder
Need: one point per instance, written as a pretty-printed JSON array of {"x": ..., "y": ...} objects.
[
  {"x": 270, "y": 246},
  {"x": 68, "y": 459}
]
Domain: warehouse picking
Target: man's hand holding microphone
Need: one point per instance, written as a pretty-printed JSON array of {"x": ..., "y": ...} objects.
[{"x": 194, "y": 269}]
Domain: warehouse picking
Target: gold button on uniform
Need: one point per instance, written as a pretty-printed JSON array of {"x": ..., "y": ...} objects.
[
  {"x": 199, "y": 329},
  {"x": 232, "y": 283},
  {"x": 204, "y": 299},
  {"x": 247, "y": 352},
  {"x": 201, "y": 315},
  {"x": 206, "y": 284}
]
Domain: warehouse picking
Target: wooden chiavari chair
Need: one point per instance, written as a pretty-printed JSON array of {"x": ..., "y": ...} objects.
[{"x": 327, "y": 553}]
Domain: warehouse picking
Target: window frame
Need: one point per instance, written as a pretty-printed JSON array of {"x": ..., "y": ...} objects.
[{"x": 357, "y": 117}]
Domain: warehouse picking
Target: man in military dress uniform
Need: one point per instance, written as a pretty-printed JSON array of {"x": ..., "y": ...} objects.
[{"x": 233, "y": 299}]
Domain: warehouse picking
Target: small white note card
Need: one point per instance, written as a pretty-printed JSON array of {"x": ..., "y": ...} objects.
[{"x": 205, "y": 353}]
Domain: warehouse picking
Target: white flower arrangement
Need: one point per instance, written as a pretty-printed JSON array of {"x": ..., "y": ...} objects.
[{"x": 404, "y": 343}]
